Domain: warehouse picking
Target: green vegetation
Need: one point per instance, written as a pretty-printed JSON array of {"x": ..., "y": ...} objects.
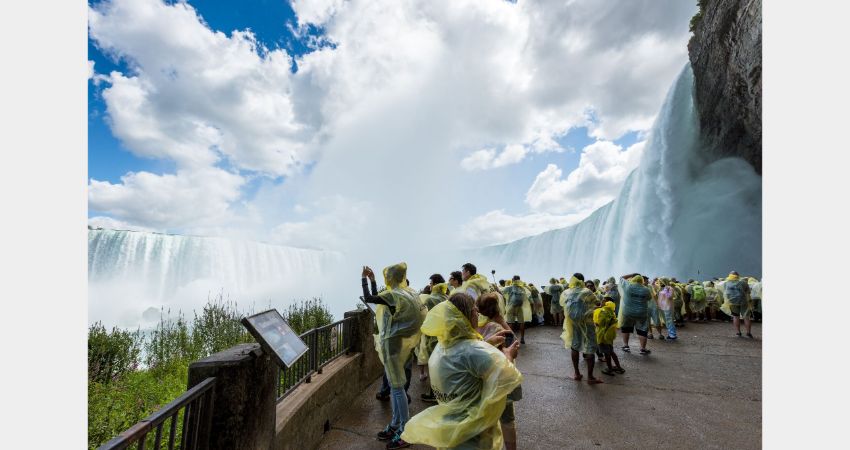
[
  {"x": 122, "y": 390},
  {"x": 695, "y": 20}
]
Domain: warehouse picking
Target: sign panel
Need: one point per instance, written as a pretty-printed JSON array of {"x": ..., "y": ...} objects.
[{"x": 275, "y": 336}]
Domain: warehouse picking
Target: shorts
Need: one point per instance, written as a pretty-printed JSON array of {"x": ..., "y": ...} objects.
[
  {"x": 606, "y": 349},
  {"x": 630, "y": 323},
  {"x": 742, "y": 311},
  {"x": 514, "y": 314},
  {"x": 508, "y": 415}
]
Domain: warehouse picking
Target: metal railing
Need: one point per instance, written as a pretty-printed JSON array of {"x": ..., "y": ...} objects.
[
  {"x": 324, "y": 345},
  {"x": 185, "y": 431}
]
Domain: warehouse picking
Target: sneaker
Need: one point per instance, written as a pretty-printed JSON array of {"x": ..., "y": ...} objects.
[
  {"x": 428, "y": 398},
  {"x": 397, "y": 442},
  {"x": 382, "y": 397},
  {"x": 645, "y": 351},
  {"x": 619, "y": 370},
  {"x": 738, "y": 334},
  {"x": 661, "y": 337},
  {"x": 672, "y": 338},
  {"x": 387, "y": 433},
  {"x": 750, "y": 336},
  {"x": 625, "y": 348},
  {"x": 652, "y": 337}
]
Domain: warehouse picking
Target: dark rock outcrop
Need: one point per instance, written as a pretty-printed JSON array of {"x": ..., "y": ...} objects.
[{"x": 725, "y": 54}]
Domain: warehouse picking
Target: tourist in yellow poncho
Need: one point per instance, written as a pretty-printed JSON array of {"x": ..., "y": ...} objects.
[
  {"x": 737, "y": 294},
  {"x": 605, "y": 320},
  {"x": 398, "y": 317},
  {"x": 579, "y": 332},
  {"x": 471, "y": 379},
  {"x": 517, "y": 305}
]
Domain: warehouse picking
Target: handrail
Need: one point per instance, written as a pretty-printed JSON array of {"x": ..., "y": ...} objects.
[
  {"x": 138, "y": 432},
  {"x": 323, "y": 347}
]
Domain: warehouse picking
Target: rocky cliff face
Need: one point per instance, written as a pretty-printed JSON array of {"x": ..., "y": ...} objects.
[{"x": 725, "y": 54}]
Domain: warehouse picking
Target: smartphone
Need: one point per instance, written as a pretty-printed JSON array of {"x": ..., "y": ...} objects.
[{"x": 509, "y": 339}]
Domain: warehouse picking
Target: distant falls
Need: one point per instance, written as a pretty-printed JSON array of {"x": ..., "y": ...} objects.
[{"x": 678, "y": 214}]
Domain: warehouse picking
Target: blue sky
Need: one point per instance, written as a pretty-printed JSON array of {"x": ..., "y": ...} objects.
[{"x": 285, "y": 177}]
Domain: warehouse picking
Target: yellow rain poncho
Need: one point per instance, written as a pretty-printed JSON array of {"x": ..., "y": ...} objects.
[
  {"x": 476, "y": 285},
  {"x": 606, "y": 323},
  {"x": 398, "y": 333},
  {"x": 735, "y": 293},
  {"x": 427, "y": 343},
  {"x": 579, "y": 332},
  {"x": 522, "y": 290},
  {"x": 471, "y": 380}
]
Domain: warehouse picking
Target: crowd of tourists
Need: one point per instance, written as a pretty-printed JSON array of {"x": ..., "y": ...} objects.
[{"x": 465, "y": 334}]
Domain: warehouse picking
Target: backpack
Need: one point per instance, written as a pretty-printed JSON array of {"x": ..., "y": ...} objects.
[
  {"x": 698, "y": 292},
  {"x": 734, "y": 292},
  {"x": 515, "y": 296}
]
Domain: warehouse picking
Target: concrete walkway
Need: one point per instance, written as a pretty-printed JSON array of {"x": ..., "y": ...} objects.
[{"x": 703, "y": 391}]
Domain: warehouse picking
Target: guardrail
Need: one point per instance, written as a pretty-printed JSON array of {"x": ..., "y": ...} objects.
[
  {"x": 185, "y": 431},
  {"x": 324, "y": 345}
]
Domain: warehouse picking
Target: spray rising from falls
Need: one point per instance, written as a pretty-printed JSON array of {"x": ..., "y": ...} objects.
[
  {"x": 134, "y": 274},
  {"x": 680, "y": 213}
]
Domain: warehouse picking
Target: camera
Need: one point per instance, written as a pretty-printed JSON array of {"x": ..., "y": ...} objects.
[{"x": 493, "y": 271}]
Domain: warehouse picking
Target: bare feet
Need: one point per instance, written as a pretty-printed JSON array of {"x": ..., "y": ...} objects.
[
  {"x": 576, "y": 377},
  {"x": 594, "y": 381}
]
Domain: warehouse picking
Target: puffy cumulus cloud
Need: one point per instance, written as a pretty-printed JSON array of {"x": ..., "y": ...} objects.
[
  {"x": 488, "y": 159},
  {"x": 498, "y": 227},
  {"x": 403, "y": 93},
  {"x": 195, "y": 95},
  {"x": 337, "y": 221},
  {"x": 188, "y": 198},
  {"x": 602, "y": 170}
]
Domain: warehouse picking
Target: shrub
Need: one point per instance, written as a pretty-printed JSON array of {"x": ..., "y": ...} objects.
[
  {"x": 307, "y": 314},
  {"x": 112, "y": 355}
]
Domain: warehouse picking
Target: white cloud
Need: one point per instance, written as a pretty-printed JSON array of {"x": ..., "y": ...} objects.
[
  {"x": 339, "y": 221},
  {"x": 196, "y": 95},
  {"x": 498, "y": 227},
  {"x": 185, "y": 199},
  {"x": 407, "y": 85},
  {"x": 601, "y": 172}
]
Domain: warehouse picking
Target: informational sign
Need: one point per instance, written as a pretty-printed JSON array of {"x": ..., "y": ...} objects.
[{"x": 275, "y": 336}]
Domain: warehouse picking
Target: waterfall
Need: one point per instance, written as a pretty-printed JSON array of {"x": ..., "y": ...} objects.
[
  {"x": 134, "y": 274},
  {"x": 679, "y": 213}
]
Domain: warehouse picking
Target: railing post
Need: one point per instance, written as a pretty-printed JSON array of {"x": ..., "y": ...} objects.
[{"x": 243, "y": 410}]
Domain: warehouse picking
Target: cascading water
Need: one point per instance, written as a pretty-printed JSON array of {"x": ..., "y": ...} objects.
[
  {"x": 133, "y": 274},
  {"x": 678, "y": 214}
]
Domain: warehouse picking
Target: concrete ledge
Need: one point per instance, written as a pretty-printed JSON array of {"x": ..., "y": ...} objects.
[{"x": 303, "y": 417}]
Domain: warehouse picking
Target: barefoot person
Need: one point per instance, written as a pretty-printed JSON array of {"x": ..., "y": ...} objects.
[
  {"x": 633, "y": 310},
  {"x": 579, "y": 332},
  {"x": 471, "y": 379}
]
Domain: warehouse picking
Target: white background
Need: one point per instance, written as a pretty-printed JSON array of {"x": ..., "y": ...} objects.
[{"x": 43, "y": 183}]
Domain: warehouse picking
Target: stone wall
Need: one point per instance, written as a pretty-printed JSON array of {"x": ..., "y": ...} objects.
[{"x": 725, "y": 54}]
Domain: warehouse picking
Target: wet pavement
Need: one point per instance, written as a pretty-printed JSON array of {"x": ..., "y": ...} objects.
[{"x": 702, "y": 391}]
